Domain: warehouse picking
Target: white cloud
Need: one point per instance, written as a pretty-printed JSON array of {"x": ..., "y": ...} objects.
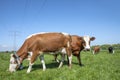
[{"x": 5, "y": 48}]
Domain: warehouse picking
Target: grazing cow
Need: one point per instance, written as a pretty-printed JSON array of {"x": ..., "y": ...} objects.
[
  {"x": 110, "y": 49},
  {"x": 38, "y": 44},
  {"x": 78, "y": 44},
  {"x": 96, "y": 50}
]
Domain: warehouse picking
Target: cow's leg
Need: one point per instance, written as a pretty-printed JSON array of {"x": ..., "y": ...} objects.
[
  {"x": 93, "y": 52},
  {"x": 30, "y": 67},
  {"x": 70, "y": 60},
  {"x": 113, "y": 51},
  {"x": 55, "y": 56},
  {"x": 43, "y": 62},
  {"x": 69, "y": 53},
  {"x": 79, "y": 59},
  {"x": 77, "y": 54},
  {"x": 63, "y": 58},
  {"x": 33, "y": 58}
]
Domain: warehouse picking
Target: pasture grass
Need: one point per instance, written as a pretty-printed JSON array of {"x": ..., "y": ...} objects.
[{"x": 102, "y": 66}]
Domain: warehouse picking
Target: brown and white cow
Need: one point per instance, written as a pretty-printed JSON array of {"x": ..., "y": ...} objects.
[
  {"x": 37, "y": 44},
  {"x": 96, "y": 49},
  {"x": 78, "y": 44}
]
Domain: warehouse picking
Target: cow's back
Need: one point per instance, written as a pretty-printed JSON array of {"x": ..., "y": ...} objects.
[{"x": 49, "y": 41}]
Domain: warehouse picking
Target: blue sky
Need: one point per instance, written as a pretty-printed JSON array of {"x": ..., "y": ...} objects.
[{"x": 98, "y": 18}]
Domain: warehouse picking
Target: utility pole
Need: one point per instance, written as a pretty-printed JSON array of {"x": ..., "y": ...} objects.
[{"x": 14, "y": 34}]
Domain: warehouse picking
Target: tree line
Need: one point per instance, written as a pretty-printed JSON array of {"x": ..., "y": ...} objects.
[
  {"x": 106, "y": 46},
  {"x": 102, "y": 47}
]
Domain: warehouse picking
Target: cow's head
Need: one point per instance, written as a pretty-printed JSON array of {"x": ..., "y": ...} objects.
[
  {"x": 86, "y": 42},
  {"x": 14, "y": 63}
]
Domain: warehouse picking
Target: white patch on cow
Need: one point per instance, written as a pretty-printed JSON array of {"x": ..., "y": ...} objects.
[
  {"x": 12, "y": 66},
  {"x": 87, "y": 39},
  {"x": 29, "y": 68},
  {"x": 43, "y": 62},
  {"x": 70, "y": 59},
  {"x": 57, "y": 61},
  {"x": 68, "y": 44},
  {"x": 44, "y": 33},
  {"x": 36, "y": 34},
  {"x": 29, "y": 55},
  {"x": 53, "y": 53},
  {"x": 61, "y": 63},
  {"x": 62, "y": 60},
  {"x": 63, "y": 51},
  {"x": 66, "y": 34},
  {"x": 41, "y": 53},
  {"x": 12, "y": 59}
]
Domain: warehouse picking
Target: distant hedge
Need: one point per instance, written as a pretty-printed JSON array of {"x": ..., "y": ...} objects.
[{"x": 105, "y": 46}]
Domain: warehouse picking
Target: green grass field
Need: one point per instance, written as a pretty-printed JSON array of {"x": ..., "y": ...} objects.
[{"x": 102, "y": 66}]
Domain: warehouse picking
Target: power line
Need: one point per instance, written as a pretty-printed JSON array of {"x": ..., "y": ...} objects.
[
  {"x": 42, "y": 6},
  {"x": 14, "y": 35}
]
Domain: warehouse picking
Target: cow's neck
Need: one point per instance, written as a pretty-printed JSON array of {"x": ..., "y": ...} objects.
[
  {"x": 22, "y": 55},
  {"x": 82, "y": 48}
]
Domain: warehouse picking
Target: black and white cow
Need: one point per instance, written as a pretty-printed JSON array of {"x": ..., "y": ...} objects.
[{"x": 110, "y": 49}]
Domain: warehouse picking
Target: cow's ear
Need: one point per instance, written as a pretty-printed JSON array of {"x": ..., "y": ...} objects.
[
  {"x": 92, "y": 38},
  {"x": 13, "y": 55}
]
